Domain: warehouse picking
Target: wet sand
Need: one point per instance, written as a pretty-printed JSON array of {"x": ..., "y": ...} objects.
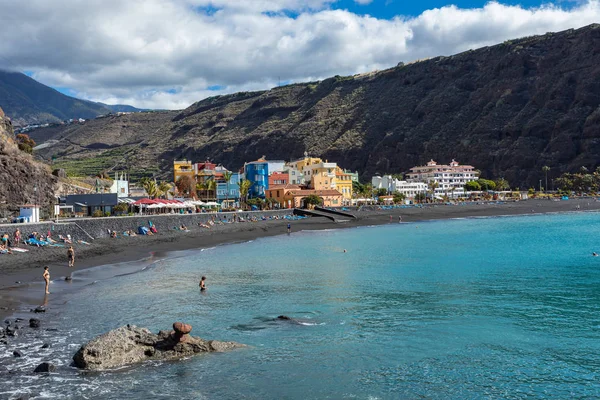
[{"x": 21, "y": 273}]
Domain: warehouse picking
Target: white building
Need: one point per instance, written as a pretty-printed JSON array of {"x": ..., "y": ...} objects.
[
  {"x": 296, "y": 176},
  {"x": 450, "y": 179},
  {"x": 120, "y": 185},
  {"x": 392, "y": 185}
]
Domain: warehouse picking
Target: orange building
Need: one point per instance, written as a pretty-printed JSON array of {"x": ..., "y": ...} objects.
[{"x": 293, "y": 196}]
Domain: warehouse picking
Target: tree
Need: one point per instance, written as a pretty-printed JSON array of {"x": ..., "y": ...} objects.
[
  {"x": 472, "y": 186},
  {"x": 163, "y": 188},
  {"x": 211, "y": 186},
  {"x": 381, "y": 192},
  {"x": 312, "y": 199},
  {"x": 150, "y": 188},
  {"x": 399, "y": 197},
  {"x": 245, "y": 185},
  {"x": 358, "y": 188},
  {"x": 185, "y": 185},
  {"x": 227, "y": 176},
  {"x": 25, "y": 143},
  {"x": 398, "y": 176},
  {"x": 432, "y": 186},
  {"x": 420, "y": 197},
  {"x": 502, "y": 184},
  {"x": 545, "y": 170},
  {"x": 486, "y": 184}
]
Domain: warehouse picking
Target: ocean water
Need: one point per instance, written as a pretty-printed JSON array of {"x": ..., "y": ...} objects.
[{"x": 457, "y": 309}]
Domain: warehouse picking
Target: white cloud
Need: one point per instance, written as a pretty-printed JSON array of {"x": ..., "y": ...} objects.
[
  {"x": 168, "y": 53},
  {"x": 363, "y": 2}
]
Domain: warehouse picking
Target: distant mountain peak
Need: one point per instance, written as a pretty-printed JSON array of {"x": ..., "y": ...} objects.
[{"x": 26, "y": 102}]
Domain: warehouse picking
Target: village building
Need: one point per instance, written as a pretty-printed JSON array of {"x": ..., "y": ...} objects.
[
  {"x": 324, "y": 175},
  {"x": 294, "y": 196},
  {"x": 448, "y": 180},
  {"x": 393, "y": 185},
  {"x": 258, "y": 173},
  {"x": 120, "y": 185}
]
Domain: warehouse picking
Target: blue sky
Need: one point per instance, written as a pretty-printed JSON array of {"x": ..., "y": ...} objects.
[
  {"x": 390, "y": 8},
  {"x": 114, "y": 51}
]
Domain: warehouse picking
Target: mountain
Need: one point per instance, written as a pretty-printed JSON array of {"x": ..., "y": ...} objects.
[
  {"x": 507, "y": 109},
  {"x": 22, "y": 179},
  {"x": 26, "y": 101}
]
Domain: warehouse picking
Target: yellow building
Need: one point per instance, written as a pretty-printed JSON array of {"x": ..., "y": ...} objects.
[
  {"x": 343, "y": 183},
  {"x": 324, "y": 175},
  {"x": 183, "y": 168}
]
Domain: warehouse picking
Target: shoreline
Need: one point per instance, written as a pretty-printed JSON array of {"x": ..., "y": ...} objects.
[{"x": 25, "y": 268}]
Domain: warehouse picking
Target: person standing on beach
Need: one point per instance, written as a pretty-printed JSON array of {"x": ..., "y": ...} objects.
[
  {"x": 71, "y": 255},
  {"x": 289, "y": 228},
  {"x": 46, "y": 276},
  {"x": 399, "y": 219},
  {"x": 203, "y": 284},
  {"x": 17, "y": 236}
]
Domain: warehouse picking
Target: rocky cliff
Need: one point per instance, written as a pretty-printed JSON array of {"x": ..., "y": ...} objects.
[
  {"x": 20, "y": 173},
  {"x": 508, "y": 110}
]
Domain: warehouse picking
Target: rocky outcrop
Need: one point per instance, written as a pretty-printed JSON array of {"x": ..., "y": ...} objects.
[
  {"x": 22, "y": 179},
  {"x": 130, "y": 345},
  {"x": 507, "y": 109}
]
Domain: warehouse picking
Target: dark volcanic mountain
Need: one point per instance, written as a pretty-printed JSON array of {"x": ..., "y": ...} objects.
[
  {"x": 508, "y": 110},
  {"x": 26, "y": 101}
]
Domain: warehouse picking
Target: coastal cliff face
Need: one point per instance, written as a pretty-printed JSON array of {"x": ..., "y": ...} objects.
[
  {"x": 508, "y": 110},
  {"x": 20, "y": 173}
]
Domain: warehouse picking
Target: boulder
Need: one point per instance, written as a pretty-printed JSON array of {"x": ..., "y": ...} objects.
[
  {"x": 10, "y": 331},
  {"x": 34, "y": 323},
  {"x": 45, "y": 367},
  {"x": 45, "y": 346},
  {"x": 17, "y": 353},
  {"x": 130, "y": 345},
  {"x": 39, "y": 309}
]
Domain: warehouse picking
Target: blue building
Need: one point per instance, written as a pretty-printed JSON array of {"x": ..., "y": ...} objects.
[
  {"x": 234, "y": 189},
  {"x": 258, "y": 173}
]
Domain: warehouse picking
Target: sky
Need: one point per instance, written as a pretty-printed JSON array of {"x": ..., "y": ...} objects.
[{"x": 168, "y": 54}]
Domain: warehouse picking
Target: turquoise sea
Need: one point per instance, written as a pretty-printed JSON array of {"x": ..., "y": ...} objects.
[{"x": 458, "y": 309}]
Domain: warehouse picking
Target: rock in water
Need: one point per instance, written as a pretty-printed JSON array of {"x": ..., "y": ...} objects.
[
  {"x": 45, "y": 367},
  {"x": 17, "y": 353},
  {"x": 39, "y": 309},
  {"x": 129, "y": 345},
  {"x": 34, "y": 323}
]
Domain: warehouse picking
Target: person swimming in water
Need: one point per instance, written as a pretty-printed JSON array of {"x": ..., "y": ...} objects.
[
  {"x": 203, "y": 284},
  {"x": 594, "y": 254}
]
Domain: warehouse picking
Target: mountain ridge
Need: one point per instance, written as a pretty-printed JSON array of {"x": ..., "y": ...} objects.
[
  {"x": 27, "y": 101},
  {"x": 507, "y": 109}
]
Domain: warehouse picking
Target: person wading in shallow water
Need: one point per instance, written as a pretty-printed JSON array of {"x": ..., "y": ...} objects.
[
  {"x": 203, "y": 283},
  {"x": 71, "y": 255},
  {"x": 46, "y": 276}
]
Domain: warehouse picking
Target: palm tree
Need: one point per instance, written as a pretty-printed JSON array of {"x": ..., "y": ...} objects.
[
  {"x": 211, "y": 185},
  {"x": 150, "y": 188},
  {"x": 200, "y": 186},
  {"x": 432, "y": 186},
  {"x": 245, "y": 185},
  {"x": 163, "y": 188},
  {"x": 545, "y": 170},
  {"x": 227, "y": 176}
]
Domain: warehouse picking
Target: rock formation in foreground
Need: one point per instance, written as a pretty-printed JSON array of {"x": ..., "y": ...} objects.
[{"x": 130, "y": 345}]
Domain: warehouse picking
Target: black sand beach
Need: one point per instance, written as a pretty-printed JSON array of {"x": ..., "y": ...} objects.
[{"x": 24, "y": 270}]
